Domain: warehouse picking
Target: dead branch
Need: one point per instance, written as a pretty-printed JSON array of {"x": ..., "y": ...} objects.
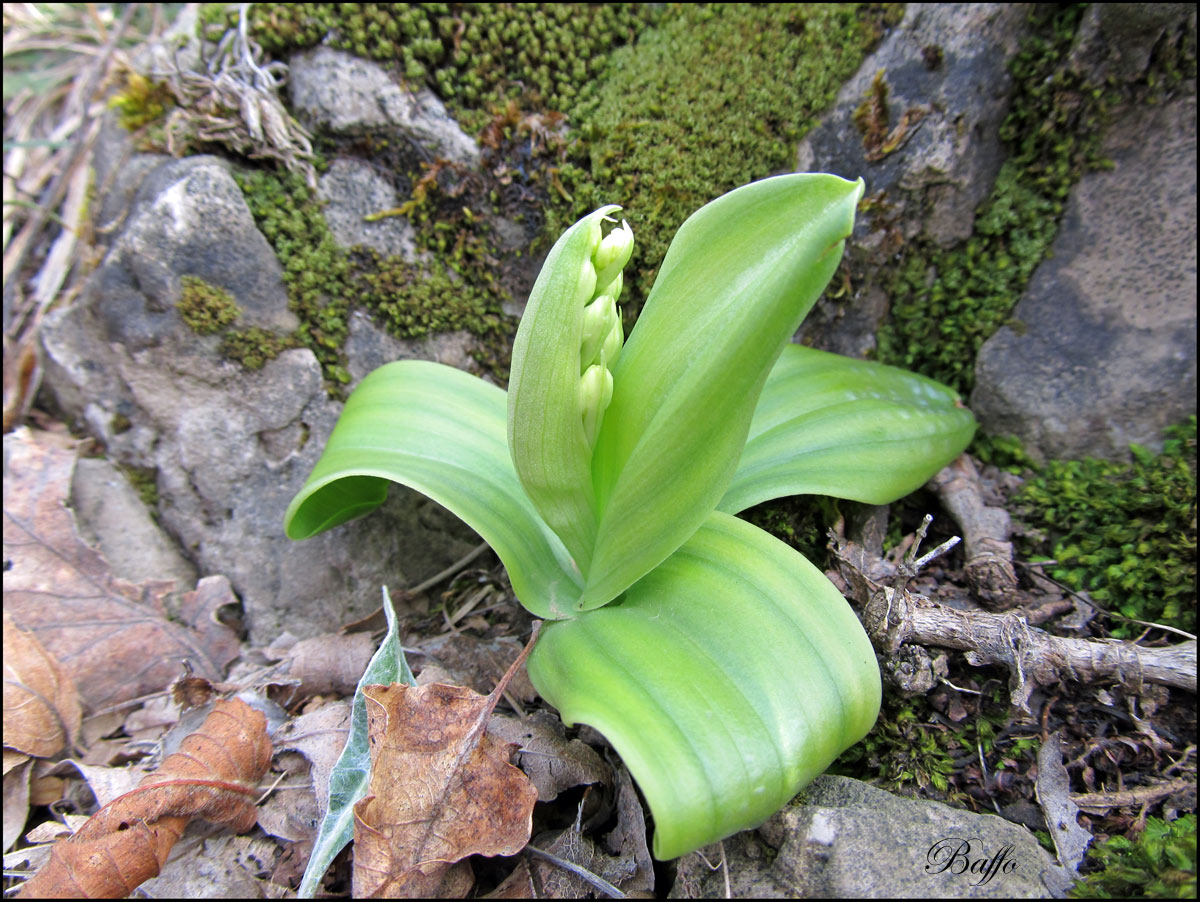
[
  {"x": 986, "y": 530},
  {"x": 1101, "y": 802},
  {"x": 894, "y": 616}
]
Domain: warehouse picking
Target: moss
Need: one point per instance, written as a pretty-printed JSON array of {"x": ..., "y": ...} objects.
[
  {"x": 253, "y": 347},
  {"x": 1159, "y": 863},
  {"x": 315, "y": 269},
  {"x": 947, "y": 302},
  {"x": 871, "y": 116},
  {"x": 1123, "y": 532},
  {"x": 206, "y": 308},
  {"x": 140, "y": 101},
  {"x": 714, "y": 97},
  {"x": 475, "y": 56},
  {"x": 802, "y": 521},
  {"x": 145, "y": 482},
  {"x": 904, "y": 752},
  {"x": 457, "y": 290},
  {"x": 414, "y": 300}
]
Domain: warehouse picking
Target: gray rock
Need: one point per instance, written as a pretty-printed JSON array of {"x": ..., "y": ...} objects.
[
  {"x": 1105, "y": 353},
  {"x": 945, "y": 166},
  {"x": 842, "y": 838},
  {"x": 1116, "y": 39},
  {"x": 369, "y": 347},
  {"x": 352, "y": 190},
  {"x": 188, "y": 217},
  {"x": 110, "y": 515},
  {"x": 346, "y": 95},
  {"x": 229, "y": 447}
]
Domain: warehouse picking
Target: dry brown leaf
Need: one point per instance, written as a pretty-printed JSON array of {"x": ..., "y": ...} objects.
[
  {"x": 16, "y": 802},
  {"x": 441, "y": 789},
  {"x": 328, "y": 665},
  {"x": 12, "y": 759},
  {"x": 320, "y": 737},
  {"x": 41, "y": 707},
  {"x": 552, "y": 881},
  {"x": 113, "y": 637},
  {"x": 306, "y": 749},
  {"x": 214, "y": 775},
  {"x": 551, "y": 761},
  {"x": 628, "y": 839}
]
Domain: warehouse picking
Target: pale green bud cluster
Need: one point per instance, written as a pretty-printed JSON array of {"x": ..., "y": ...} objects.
[{"x": 602, "y": 336}]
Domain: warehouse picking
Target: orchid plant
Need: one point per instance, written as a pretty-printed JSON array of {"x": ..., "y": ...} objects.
[{"x": 725, "y": 669}]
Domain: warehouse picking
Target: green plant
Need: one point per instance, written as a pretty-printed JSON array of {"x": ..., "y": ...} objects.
[
  {"x": 725, "y": 668},
  {"x": 206, "y": 308},
  {"x": 1124, "y": 532},
  {"x": 1158, "y": 864}
]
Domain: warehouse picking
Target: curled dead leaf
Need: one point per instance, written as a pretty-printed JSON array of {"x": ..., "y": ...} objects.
[{"x": 214, "y": 775}]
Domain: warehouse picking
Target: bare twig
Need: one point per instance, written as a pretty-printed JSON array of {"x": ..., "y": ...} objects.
[
  {"x": 893, "y": 616},
  {"x": 986, "y": 531},
  {"x": 1101, "y": 802}
]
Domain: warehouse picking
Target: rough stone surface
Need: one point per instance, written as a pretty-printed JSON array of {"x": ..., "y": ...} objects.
[
  {"x": 343, "y": 94},
  {"x": 188, "y": 217},
  {"x": 369, "y": 347},
  {"x": 353, "y": 190},
  {"x": 941, "y": 171},
  {"x": 846, "y": 839},
  {"x": 1105, "y": 350},
  {"x": 229, "y": 447},
  {"x": 111, "y": 516}
]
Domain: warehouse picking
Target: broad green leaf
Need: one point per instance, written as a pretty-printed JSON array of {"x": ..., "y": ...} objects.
[
  {"x": 350, "y": 775},
  {"x": 727, "y": 678},
  {"x": 442, "y": 432},
  {"x": 738, "y": 278},
  {"x": 545, "y": 430},
  {"x": 830, "y": 425}
]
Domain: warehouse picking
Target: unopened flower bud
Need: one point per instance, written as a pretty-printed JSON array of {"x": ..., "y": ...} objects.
[
  {"x": 598, "y": 319},
  {"x": 613, "y": 343},
  {"x": 613, "y": 253},
  {"x": 586, "y": 289},
  {"x": 612, "y": 288},
  {"x": 595, "y": 393}
]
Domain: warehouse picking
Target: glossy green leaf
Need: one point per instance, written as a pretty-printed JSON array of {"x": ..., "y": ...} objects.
[
  {"x": 830, "y": 425},
  {"x": 442, "y": 432},
  {"x": 737, "y": 280},
  {"x": 351, "y": 774},
  {"x": 726, "y": 679},
  {"x": 545, "y": 431}
]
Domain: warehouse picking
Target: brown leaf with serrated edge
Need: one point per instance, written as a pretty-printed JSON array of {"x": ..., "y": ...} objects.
[
  {"x": 114, "y": 638},
  {"x": 441, "y": 789},
  {"x": 214, "y": 775},
  {"x": 41, "y": 706}
]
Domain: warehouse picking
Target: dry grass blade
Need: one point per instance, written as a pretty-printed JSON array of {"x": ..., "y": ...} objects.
[{"x": 57, "y": 62}]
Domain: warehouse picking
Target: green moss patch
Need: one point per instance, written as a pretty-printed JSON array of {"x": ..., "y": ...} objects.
[
  {"x": 474, "y": 55},
  {"x": 714, "y": 97},
  {"x": 1123, "y": 532},
  {"x": 206, "y": 308},
  {"x": 1160, "y": 863}
]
